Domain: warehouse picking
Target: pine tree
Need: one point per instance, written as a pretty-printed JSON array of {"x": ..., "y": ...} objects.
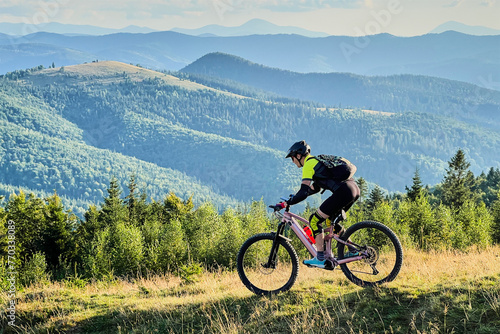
[
  {"x": 113, "y": 209},
  {"x": 376, "y": 197},
  {"x": 136, "y": 203},
  {"x": 176, "y": 208},
  {"x": 363, "y": 188},
  {"x": 489, "y": 185},
  {"x": 495, "y": 211},
  {"x": 131, "y": 199},
  {"x": 458, "y": 182},
  {"x": 27, "y": 213},
  {"x": 57, "y": 232},
  {"x": 86, "y": 233},
  {"x": 417, "y": 187}
]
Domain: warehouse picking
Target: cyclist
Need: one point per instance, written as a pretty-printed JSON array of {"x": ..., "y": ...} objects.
[{"x": 338, "y": 180}]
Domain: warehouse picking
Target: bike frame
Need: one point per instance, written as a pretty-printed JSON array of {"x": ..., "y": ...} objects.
[{"x": 291, "y": 220}]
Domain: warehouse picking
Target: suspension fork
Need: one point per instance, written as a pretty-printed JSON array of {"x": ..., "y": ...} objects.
[{"x": 271, "y": 262}]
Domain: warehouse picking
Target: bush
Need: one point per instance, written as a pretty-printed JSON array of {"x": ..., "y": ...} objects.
[
  {"x": 417, "y": 216},
  {"x": 473, "y": 223},
  {"x": 126, "y": 249},
  {"x": 231, "y": 239},
  {"x": 151, "y": 233},
  {"x": 34, "y": 271},
  {"x": 444, "y": 222},
  {"x": 203, "y": 234},
  {"x": 98, "y": 260},
  {"x": 172, "y": 247},
  {"x": 496, "y": 221}
]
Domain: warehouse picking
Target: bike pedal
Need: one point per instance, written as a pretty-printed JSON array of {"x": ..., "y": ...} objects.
[{"x": 329, "y": 265}]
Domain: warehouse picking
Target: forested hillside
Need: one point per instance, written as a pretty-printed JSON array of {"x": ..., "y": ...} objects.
[
  {"x": 70, "y": 129},
  {"x": 396, "y": 93},
  {"x": 41, "y": 151}
]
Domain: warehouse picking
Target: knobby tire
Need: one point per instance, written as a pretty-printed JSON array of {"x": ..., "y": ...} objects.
[
  {"x": 383, "y": 240},
  {"x": 267, "y": 281}
]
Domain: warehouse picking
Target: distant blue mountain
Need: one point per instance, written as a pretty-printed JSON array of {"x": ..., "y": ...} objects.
[
  {"x": 28, "y": 55},
  {"x": 252, "y": 27},
  {"x": 465, "y": 29},
  {"x": 448, "y": 55},
  {"x": 22, "y": 29}
]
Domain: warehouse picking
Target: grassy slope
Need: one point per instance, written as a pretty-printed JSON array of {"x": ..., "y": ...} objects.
[
  {"x": 106, "y": 72},
  {"x": 434, "y": 293}
]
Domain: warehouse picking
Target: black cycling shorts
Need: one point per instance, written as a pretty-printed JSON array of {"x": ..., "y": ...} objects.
[{"x": 343, "y": 198}]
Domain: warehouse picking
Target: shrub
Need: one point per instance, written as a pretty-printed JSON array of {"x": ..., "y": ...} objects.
[
  {"x": 126, "y": 248},
  {"x": 231, "y": 239},
  {"x": 34, "y": 271},
  {"x": 172, "y": 247},
  {"x": 496, "y": 220},
  {"x": 418, "y": 217},
  {"x": 203, "y": 234},
  {"x": 98, "y": 260},
  {"x": 151, "y": 233},
  {"x": 473, "y": 225},
  {"x": 444, "y": 222}
]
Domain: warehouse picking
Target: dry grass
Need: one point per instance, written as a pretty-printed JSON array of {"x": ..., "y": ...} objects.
[
  {"x": 107, "y": 72},
  {"x": 443, "y": 292}
]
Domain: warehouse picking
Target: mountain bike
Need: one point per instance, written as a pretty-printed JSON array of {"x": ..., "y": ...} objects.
[{"x": 368, "y": 253}]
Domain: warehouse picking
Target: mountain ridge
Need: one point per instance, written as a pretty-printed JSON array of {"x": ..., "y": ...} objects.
[
  {"x": 110, "y": 70},
  {"x": 252, "y": 27},
  {"x": 22, "y": 29},
  {"x": 458, "y": 57},
  {"x": 465, "y": 29},
  {"x": 397, "y": 93}
]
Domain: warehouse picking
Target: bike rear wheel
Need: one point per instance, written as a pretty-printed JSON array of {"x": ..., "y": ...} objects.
[
  {"x": 380, "y": 247},
  {"x": 257, "y": 275}
]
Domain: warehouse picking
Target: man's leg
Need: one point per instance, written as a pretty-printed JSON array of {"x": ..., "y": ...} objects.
[{"x": 316, "y": 220}]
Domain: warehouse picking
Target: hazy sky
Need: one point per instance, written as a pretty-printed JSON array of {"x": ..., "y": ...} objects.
[{"x": 336, "y": 17}]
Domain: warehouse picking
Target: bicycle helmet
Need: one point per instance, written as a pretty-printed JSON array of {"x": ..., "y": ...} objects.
[{"x": 299, "y": 147}]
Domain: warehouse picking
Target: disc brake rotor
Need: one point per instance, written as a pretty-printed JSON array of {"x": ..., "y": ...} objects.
[{"x": 372, "y": 255}]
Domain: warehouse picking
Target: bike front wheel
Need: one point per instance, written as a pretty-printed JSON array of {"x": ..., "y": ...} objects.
[
  {"x": 381, "y": 251},
  {"x": 254, "y": 267}
]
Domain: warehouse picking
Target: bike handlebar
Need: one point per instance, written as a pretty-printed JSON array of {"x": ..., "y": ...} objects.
[
  {"x": 276, "y": 208},
  {"x": 279, "y": 207}
]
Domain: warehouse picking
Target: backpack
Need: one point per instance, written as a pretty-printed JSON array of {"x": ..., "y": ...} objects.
[{"x": 339, "y": 169}]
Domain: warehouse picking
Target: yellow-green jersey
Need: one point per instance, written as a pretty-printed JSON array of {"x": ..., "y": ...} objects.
[
  {"x": 326, "y": 171},
  {"x": 327, "y": 178}
]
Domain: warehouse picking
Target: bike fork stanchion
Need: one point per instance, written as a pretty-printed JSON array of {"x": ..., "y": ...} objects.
[{"x": 271, "y": 262}]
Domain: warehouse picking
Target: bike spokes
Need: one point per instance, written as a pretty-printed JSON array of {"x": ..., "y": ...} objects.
[
  {"x": 265, "y": 269},
  {"x": 380, "y": 251}
]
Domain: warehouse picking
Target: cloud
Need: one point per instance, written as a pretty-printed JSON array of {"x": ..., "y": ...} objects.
[
  {"x": 96, "y": 11},
  {"x": 307, "y": 5},
  {"x": 454, "y": 3},
  {"x": 488, "y": 3},
  {"x": 286, "y": 6},
  {"x": 28, "y": 8}
]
